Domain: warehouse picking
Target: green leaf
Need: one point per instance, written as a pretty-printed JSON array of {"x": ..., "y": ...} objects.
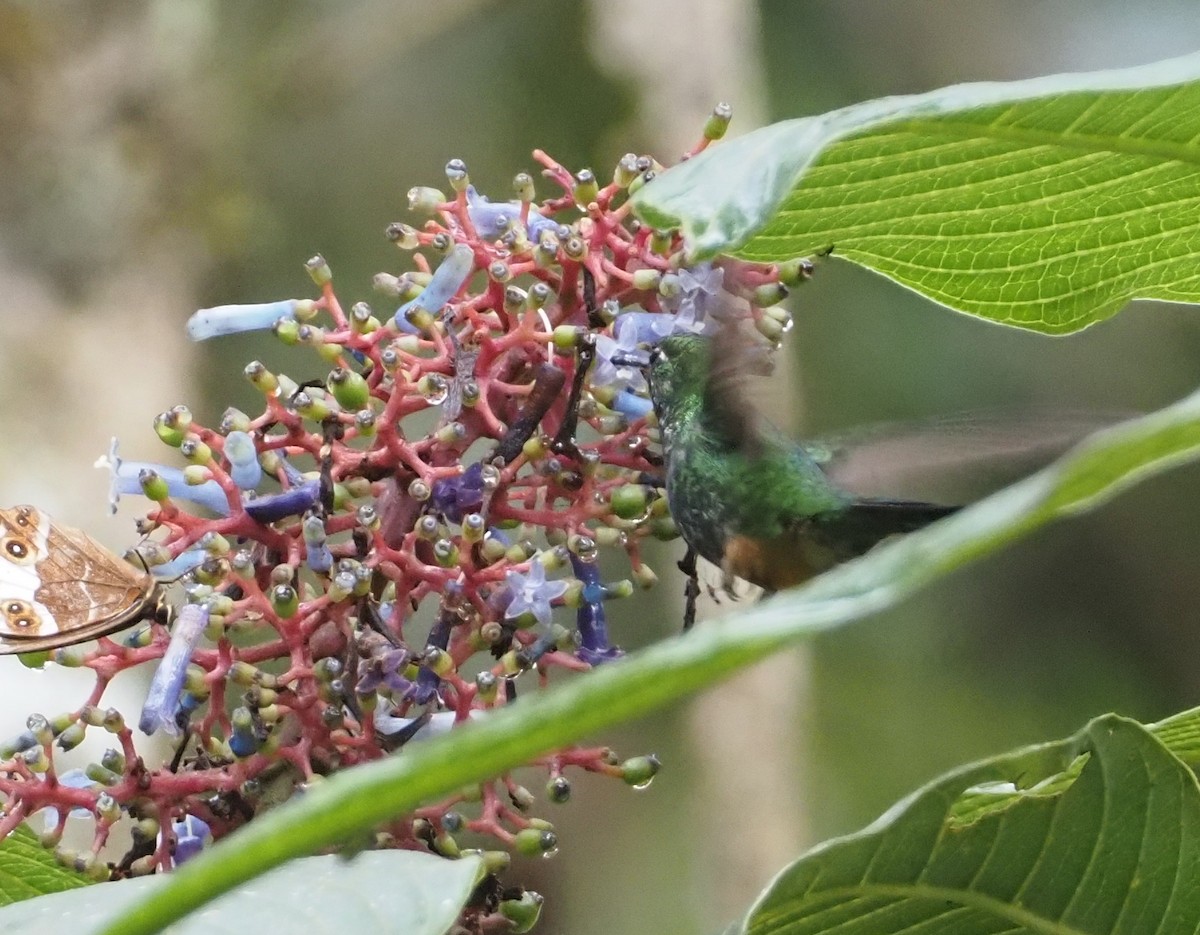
[
  {"x": 1115, "y": 847},
  {"x": 360, "y": 798},
  {"x": 27, "y": 869},
  {"x": 377, "y": 891},
  {"x": 1046, "y": 203}
]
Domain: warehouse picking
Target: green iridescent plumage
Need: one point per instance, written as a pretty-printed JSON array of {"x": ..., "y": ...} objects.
[{"x": 743, "y": 495}]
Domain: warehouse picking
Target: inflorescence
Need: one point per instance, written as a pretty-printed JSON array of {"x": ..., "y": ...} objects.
[{"x": 351, "y": 583}]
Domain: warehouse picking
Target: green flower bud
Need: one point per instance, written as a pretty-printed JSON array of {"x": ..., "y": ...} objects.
[
  {"x": 348, "y": 388},
  {"x": 285, "y": 601},
  {"x": 262, "y": 378},
  {"x": 457, "y": 175},
  {"x": 638, "y": 771},
  {"x": 769, "y": 293},
  {"x": 171, "y": 426},
  {"x": 523, "y": 913},
  {"x": 533, "y": 842},
  {"x": 404, "y": 236},
  {"x": 425, "y": 200},
  {"x": 319, "y": 270},
  {"x": 523, "y": 187},
  {"x": 586, "y": 188},
  {"x": 718, "y": 122}
]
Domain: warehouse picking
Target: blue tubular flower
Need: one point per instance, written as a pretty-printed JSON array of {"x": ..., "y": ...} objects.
[
  {"x": 532, "y": 593},
  {"x": 444, "y": 284},
  {"x": 233, "y": 319},
  {"x": 455, "y": 497},
  {"x": 242, "y": 456},
  {"x": 162, "y": 700},
  {"x": 491, "y": 220},
  {"x": 125, "y": 478},
  {"x": 72, "y": 779},
  {"x": 428, "y": 681},
  {"x": 316, "y": 553},
  {"x": 631, "y": 405},
  {"x": 293, "y": 502},
  {"x": 184, "y": 562},
  {"x": 594, "y": 647},
  {"x": 191, "y": 835},
  {"x": 538, "y": 222}
]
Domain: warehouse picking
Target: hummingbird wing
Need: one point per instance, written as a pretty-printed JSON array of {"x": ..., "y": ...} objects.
[{"x": 955, "y": 459}]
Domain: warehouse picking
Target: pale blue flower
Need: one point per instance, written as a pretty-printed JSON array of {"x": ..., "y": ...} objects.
[
  {"x": 244, "y": 469},
  {"x": 606, "y": 372},
  {"x": 532, "y": 593},
  {"x": 493, "y": 220},
  {"x": 233, "y": 319},
  {"x": 72, "y": 779},
  {"x": 162, "y": 700},
  {"x": 125, "y": 478},
  {"x": 444, "y": 284}
]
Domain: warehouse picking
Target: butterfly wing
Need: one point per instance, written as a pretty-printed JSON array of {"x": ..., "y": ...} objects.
[{"x": 59, "y": 586}]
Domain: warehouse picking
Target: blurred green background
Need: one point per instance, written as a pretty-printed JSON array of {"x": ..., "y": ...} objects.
[{"x": 156, "y": 157}]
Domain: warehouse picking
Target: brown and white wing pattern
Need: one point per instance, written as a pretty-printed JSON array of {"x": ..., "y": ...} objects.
[{"x": 59, "y": 586}]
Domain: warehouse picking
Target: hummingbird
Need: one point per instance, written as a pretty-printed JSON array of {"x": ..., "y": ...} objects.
[{"x": 744, "y": 496}]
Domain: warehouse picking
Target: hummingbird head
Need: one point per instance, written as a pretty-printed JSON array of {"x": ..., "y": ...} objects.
[{"x": 679, "y": 367}]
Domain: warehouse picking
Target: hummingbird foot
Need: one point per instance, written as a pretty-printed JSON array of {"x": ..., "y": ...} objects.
[{"x": 691, "y": 590}]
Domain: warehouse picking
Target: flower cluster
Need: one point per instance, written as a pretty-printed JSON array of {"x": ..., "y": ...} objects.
[{"x": 347, "y": 556}]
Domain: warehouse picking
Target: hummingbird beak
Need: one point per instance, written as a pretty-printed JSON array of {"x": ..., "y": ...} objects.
[{"x": 635, "y": 360}]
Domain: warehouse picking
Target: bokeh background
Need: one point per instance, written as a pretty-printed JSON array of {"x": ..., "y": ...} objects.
[{"x": 156, "y": 157}]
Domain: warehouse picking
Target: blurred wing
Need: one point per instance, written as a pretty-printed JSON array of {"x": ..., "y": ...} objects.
[
  {"x": 955, "y": 459},
  {"x": 734, "y": 355}
]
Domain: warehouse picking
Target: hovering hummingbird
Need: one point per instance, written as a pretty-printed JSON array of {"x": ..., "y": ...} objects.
[
  {"x": 744, "y": 496},
  {"x": 776, "y": 512}
]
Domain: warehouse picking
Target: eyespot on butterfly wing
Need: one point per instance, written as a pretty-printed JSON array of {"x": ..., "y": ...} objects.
[{"x": 59, "y": 586}]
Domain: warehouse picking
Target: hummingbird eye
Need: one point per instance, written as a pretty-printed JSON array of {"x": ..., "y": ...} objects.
[{"x": 656, "y": 354}]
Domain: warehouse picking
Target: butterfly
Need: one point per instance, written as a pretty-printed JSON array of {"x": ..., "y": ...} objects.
[{"x": 59, "y": 586}]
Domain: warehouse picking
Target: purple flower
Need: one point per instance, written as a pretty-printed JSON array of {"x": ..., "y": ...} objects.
[
  {"x": 125, "y": 478},
  {"x": 191, "y": 834},
  {"x": 492, "y": 220},
  {"x": 162, "y": 700},
  {"x": 293, "y": 502},
  {"x": 382, "y": 670},
  {"x": 455, "y": 497},
  {"x": 532, "y": 593},
  {"x": 444, "y": 284},
  {"x": 233, "y": 319},
  {"x": 594, "y": 647}
]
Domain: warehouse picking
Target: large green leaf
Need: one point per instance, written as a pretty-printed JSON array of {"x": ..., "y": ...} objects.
[
  {"x": 1097, "y": 834},
  {"x": 399, "y": 892},
  {"x": 361, "y": 798},
  {"x": 27, "y": 869},
  {"x": 1045, "y": 204}
]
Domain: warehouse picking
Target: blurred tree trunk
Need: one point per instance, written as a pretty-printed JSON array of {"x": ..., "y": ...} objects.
[{"x": 682, "y": 58}]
